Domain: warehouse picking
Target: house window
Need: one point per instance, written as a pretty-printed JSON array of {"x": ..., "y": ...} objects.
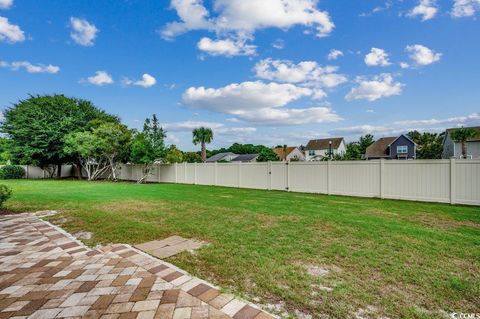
[
  {"x": 311, "y": 153},
  {"x": 402, "y": 149}
]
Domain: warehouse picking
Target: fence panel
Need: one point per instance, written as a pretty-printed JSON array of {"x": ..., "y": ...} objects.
[
  {"x": 34, "y": 172},
  {"x": 360, "y": 178},
  {"x": 228, "y": 174},
  {"x": 255, "y": 175},
  {"x": 206, "y": 174},
  {"x": 167, "y": 173},
  {"x": 190, "y": 173},
  {"x": 278, "y": 176},
  {"x": 467, "y": 182},
  {"x": 425, "y": 180},
  {"x": 308, "y": 177}
]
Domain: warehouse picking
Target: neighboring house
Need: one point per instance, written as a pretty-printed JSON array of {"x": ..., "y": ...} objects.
[
  {"x": 246, "y": 158},
  {"x": 221, "y": 157},
  {"x": 454, "y": 149},
  {"x": 292, "y": 154},
  {"x": 316, "y": 150},
  {"x": 400, "y": 147}
]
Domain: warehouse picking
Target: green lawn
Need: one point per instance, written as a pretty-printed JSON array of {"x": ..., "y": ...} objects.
[{"x": 406, "y": 259}]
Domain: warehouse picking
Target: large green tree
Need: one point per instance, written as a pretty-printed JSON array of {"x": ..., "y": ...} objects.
[
  {"x": 148, "y": 147},
  {"x": 37, "y": 127},
  {"x": 101, "y": 150},
  {"x": 5, "y": 150},
  {"x": 462, "y": 135},
  {"x": 267, "y": 155},
  {"x": 364, "y": 142},
  {"x": 429, "y": 145},
  {"x": 192, "y": 157},
  {"x": 203, "y": 136},
  {"x": 174, "y": 155},
  {"x": 353, "y": 151}
]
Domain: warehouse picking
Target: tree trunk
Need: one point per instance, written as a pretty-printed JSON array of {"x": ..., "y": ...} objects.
[
  {"x": 464, "y": 149},
  {"x": 59, "y": 171},
  {"x": 204, "y": 152}
]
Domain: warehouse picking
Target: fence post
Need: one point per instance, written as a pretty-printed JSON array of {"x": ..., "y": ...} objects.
[
  {"x": 215, "y": 173},
  {"x": 239, "y": 174},
  {"x": 382, "y": 177},
  {"x": 269, "y": 175},
  {"x": 26, "y": 171},
  {"x": 329, "y": 176},
  {"x": 452, "y": 181},
  {"x": 159, "y": 173},
  {"x": 195, "y": 173},
  {"x": 185, "y": 172},
  {"x": 176, "y": 173},
  {"x": 288, "y": 176}
]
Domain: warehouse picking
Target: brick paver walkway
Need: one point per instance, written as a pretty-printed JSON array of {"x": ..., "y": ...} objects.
[{"x": 45, "y": 273}]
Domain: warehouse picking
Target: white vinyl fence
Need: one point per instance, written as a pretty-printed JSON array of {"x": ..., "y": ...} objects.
[
  {"x": 35, "y": 172},
  {"x": 447, "y": 181}
]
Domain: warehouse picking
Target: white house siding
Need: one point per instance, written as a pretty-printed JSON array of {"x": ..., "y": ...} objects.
[
  {"x": 473, "y": 149},
  {"x": 296, "y": 153},
  {"x": 340, "y": 150}
]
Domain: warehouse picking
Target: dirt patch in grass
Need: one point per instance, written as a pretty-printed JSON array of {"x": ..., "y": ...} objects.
[
  {"x": 267, "y": 220},
  {"x": 131, "y": 206},
  {"x": 441, "y": 222}
]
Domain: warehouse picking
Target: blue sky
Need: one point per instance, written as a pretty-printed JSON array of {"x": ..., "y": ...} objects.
[{"x": 270, "y": 71}]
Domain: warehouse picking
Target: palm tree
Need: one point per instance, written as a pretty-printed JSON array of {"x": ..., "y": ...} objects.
[
  {"x": 203, "y": 135},
  {"x": 461, "y": 135}
]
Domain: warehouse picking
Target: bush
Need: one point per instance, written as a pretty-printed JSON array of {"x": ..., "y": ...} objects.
[
  {"x": 12, "y": 172},
  {"x": 5, "y": 193}
]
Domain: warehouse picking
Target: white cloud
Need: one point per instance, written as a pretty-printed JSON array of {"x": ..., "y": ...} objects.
[
  {"x": 400, "y": 127},
  {"x": 465, "y": 8},
  {"x": 218, "y": 128},
  {"x": 307, "y": 72},
  {"x": 10, "y": 32},
  {"x": 193, "y": 16},
  {"x": 377, "y": 57},
  {"x": 247, "y": 16},
  {"x": 147, "y": 81},
  {"x": 84, "y": 32},
  {"x": 334, "y": 54},
  {"x": 468, "y": 120},
  {"x": 30, "y": 68},
  {"x": 6, "y": 4},
  {"x": 259, "y": 102},
  {"x": 422, "y": 55},
  {"x": 100, "y": 78},
  {"x": 226, "y": 47},
  {"x": 427, "y": 9},
  {"x": 379, "y": 86},
  {"x": 190, "y": 125},
  {"x": 404, "y": 65},
  {"x": 278, "y": 44}
]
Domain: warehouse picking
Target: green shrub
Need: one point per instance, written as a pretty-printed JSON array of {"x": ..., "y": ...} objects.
[
  {"x": 12, "y": 172},
  {"x": 5, "y": 193}
]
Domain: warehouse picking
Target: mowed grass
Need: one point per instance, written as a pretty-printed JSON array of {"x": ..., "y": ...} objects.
[{"x": 383, "y": 257}]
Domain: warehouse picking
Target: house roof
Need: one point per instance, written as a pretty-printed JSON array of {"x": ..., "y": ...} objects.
[
  {"x": 324, "y": 143},
  {"x": 281, "y": 154},
  {"x": 405, "y": 136},
  {"x": 219, "y": 157},
  {"x": 245, "y": 157},
  {"x": 380, "y": 147},
  {"x": 472, "y": 139}
]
